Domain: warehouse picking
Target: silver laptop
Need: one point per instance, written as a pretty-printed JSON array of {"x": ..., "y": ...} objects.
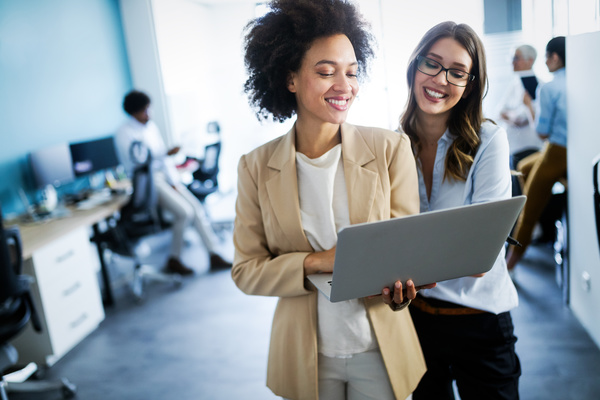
[{"x": 429, "y": 247}]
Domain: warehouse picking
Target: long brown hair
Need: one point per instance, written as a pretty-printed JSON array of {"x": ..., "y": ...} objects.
[{"x": 467, "y": 115}]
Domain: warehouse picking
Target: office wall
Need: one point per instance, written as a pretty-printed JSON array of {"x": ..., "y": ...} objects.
[
  {"x": 403, "y": 24},
  {"x": 144, "y": 62},
  {"x": 583, "y": 147},
  {"x": 185, "y": 42},
  {"x": 200, "y": 48},
  {"x": 200, "y": 45},
  {"x": 63, "y": 73}
]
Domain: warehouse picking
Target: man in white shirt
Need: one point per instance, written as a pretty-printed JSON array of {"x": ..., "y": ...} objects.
[
  {"x": 173, "y": 196},
  {"x": 516, "y": 116}
]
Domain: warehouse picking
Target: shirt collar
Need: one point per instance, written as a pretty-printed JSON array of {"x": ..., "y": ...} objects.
[
  {"x": 447, "y": 137},
  {"x": 137, "y": 123},
  {"x": 523, "y": 74}
]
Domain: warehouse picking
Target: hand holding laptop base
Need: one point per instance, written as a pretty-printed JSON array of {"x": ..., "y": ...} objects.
[{"x": 397, "y": 298}]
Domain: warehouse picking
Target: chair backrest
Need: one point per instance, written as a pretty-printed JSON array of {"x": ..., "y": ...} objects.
[
  {"x": 596, "y": 185},
  {"x": 209, "y": 169},
  {"x": 10, "y": 262},
  {"x": 139, "y": 153},
  {"x": 16, "y": 303},
  {"x": 142, "y": 208},
  {"x": 210, "y": 164}
]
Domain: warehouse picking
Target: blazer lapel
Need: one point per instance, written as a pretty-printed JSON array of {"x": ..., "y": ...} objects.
[
  {"x": 282, "y": 188},
  {"x": 360, "y": 181}
]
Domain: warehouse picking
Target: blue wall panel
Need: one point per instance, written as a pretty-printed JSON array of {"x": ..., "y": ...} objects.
[{"x": 63, "y": 74}]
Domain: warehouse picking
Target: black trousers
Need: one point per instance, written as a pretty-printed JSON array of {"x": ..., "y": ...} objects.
[{"x": 478, "y": 351}]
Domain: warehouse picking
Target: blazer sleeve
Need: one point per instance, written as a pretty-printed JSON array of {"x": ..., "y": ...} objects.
[
  {"x": 256, "y": 270},
  {"x": 404, "y": 181}
]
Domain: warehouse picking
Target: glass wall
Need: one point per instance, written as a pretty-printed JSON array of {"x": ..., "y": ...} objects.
[{"x": 201, "y": 43}]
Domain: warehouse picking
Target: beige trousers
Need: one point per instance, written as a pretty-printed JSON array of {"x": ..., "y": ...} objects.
[{"x": 540, "y": 171}]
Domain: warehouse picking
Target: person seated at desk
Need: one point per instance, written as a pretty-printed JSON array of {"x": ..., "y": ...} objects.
[{"x": 173, "y": 196}]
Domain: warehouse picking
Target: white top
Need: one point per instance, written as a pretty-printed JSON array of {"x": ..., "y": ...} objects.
[
  {"x": 488, "y": 179},
  {"x": 148, "y": 133},
  {"x": 520, "y": 137},
  {"x": 343, "y": 327}
]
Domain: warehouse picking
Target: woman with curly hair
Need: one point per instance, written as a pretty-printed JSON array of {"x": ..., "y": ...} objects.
[
  {"x": 305, "y": 58},
  {"x": 464, "y": 324}
]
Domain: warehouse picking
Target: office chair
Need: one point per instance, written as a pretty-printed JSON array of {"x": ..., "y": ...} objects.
[
  {"x": 596, "y": 164},
  {"x": 16, "y": 310},
  {"x": 138, "y": 219},
  {"x": 205, "y": 178}
]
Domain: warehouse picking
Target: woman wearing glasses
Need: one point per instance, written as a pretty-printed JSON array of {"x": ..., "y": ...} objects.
[{"x": 464, "y": 325}]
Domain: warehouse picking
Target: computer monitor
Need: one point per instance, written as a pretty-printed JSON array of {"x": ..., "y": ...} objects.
[
  {"x": 94, "y": 155},
  {"x": 52, "y": 165}
]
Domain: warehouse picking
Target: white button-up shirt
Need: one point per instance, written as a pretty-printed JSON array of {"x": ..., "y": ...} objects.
[
  {"x": 521, "y": 130},
  {"x": 488, "y": 179}
]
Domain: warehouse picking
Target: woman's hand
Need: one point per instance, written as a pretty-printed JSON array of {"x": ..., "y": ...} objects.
[
  {"x": 397, "y": 295},
  {"x": 319, "y": 262}
]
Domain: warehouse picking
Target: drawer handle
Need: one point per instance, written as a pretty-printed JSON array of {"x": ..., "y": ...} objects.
[
  {"x": 65, "y": 256},
  {"x": 73, "y": 288},
  {"x": 78, "y": 321}
]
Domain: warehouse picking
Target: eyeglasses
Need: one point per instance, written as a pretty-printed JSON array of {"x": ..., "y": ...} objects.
[{"x": 454, "y": 76}]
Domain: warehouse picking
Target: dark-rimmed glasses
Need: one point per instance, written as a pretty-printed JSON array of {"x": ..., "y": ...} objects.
[{"x": 454, "y": 76}]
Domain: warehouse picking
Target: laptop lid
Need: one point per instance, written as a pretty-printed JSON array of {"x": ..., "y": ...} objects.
[{"x": 428, "y": 247}]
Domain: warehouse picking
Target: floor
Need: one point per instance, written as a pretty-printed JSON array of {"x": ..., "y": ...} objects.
[{"x": 207, "y": 340}]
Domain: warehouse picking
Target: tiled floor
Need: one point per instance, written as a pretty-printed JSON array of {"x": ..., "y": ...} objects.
[
  {"x": 207, "y": 340},
  {"x": 558, "y": 358}
]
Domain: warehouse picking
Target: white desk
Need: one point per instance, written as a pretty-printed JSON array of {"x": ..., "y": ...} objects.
[{"x": 59, "y": 256}]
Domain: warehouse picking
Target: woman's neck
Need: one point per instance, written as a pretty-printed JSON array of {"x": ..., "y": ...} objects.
[
  {"x": 315, "y": 140},
  {"x": 430, "y": 128}
]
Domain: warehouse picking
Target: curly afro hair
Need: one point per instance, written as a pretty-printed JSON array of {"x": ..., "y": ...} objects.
[
  {"x": 275, "y": 45},
  {"x": 135, "y": 101}
]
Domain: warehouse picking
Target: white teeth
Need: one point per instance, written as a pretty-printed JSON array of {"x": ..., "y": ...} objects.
[
  {"x": 337, "y": 102},
  {"x": 434, "y": 94}
]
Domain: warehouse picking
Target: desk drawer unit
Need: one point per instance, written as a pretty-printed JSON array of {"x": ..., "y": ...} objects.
[{"x": 67, "y": 298}]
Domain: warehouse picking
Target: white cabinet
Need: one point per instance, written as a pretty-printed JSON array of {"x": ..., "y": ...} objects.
[{"x": 66, "y": 295}]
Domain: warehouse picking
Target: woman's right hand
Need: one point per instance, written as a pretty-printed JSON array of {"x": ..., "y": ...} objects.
[{"x": 319, "y": 262}]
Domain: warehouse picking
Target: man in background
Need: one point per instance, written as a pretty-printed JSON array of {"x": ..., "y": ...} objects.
[
  {"x": 173, "y": 196},
  {"x": 518, "y": 109}
]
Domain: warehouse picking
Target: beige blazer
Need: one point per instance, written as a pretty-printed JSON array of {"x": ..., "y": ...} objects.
[{"x": 270, "y": 247}]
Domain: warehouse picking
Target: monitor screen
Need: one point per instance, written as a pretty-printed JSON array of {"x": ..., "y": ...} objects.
[
  {"x": 52, "y": 165},
  {"x": 94, "y": 155}
]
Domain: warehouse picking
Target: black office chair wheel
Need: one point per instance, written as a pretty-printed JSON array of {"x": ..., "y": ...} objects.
[{"x": 68, "y": 389}]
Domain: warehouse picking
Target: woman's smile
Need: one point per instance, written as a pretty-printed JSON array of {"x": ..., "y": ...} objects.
[
  {"x": 434, "y": 94},
  {"x": 339, "y": 103}
]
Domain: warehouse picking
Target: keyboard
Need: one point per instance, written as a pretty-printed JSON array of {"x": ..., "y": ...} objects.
[{"x": 95, "y": 200}]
